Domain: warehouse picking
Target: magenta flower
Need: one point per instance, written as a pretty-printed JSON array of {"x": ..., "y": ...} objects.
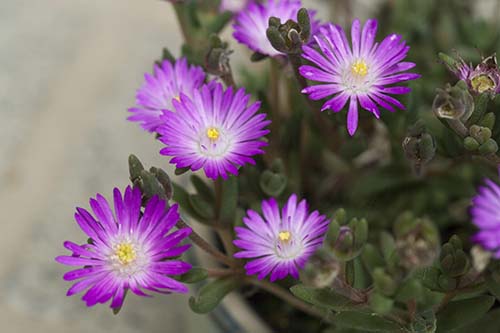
[
  {"x": 234, "y": 6},
  {"x": 251, "y": 24},
  {"x": 129, "y": 250},
  {"x": 215, "y": 130},
  {"x": 362, "y": 73},
  {"x": 280, "y": 244},
  {"x": 485, "y": 213},
  {"x": 157, "y": 92}
]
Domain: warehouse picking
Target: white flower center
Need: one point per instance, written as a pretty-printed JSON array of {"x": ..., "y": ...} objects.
[
  {"x": 127, "y": 257},
  {"x": 214, "y": 142},
  {"x": 286, "y": 246},
  {"x": 356, "y": 77}
]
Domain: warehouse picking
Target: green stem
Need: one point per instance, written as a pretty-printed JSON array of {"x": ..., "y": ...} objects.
[
  {"x": 207, "y": 247},
  {"x": 180, "y": 11},
  {"x": 222, "y": 272},
  {"x": 225, "y": 234},
  {"x": 282, "y": 293}
]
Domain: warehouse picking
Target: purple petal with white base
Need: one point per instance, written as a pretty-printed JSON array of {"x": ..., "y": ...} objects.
[
  {"x": 359, "y": 71},
  {"x": 280, "y": 243},
  {"x": 215, "y": 130},
  {"x": 251, "y": 24},
  {"x": 158, "y": 90},
  {"x": 130, "y": 250},
  {"x": 485, "y": 212}
]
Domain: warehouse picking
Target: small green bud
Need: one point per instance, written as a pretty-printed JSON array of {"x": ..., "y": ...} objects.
[
  {"x": 419, "y": 146},
  {"x": 272, "y": 184},
  {"x": 217, "y": 57},
  {"x": 383, "y": 282},
  {"x": 276, "y": 39},
  {"x": 488, "y": 120},
  {"x": 456, "y": 242},
  {"x": 471, "y": 144},
  {"x": 481, "y": 134},
  {"x": 340, "y": 216},
  {"x": 274, "y": 22},
  {"x": 489, "y": 147},
  {"x": 381, "y": 304},
  {"x": 453, "y": 260},
  {"x": 304, "y": 22},
  {"x": 135, "y": 167}
]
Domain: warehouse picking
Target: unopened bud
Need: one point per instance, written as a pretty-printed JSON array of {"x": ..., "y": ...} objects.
[
  {"x": 489, "y": 147},
  {"x": 471, "y": 144},
  {"x": 453, "y": 103}
]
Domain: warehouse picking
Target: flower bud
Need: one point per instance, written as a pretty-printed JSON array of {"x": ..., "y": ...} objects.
[
  {"x": 347, "y": 241},
  {"x": 419, "y": 146},
  {"x": 453, "y": 102},
  {"x": 217, "y": 57},
  {"x": 417, "y": 241},
  {"x": 481, "y": 134},
  {"x": 470, "y": 143},
  {"x": 453, "y": 260},
  {"x": 489, "y": 147},
  {"x": 291, "y": 35}
]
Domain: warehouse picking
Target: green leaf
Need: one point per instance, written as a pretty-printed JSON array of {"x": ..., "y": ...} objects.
[
  {"x": 387, "y": 244},
  {"x": 460, "y": 313},
  {"x": 181, "y": 196},
  {"x": 219, "y": 22},
  {"x": 196, "y": 274},
  {"x": 489, "y": 323},
  {"x": 365, "y": 322},
  {"x": 135, "y": 167},
  {"x": 211, "y": 294},
  {"x": 371, "y": 258},
  {"x": 325, "y": 298},
  {"x": 204, "y": 209},
  {"x": 493, "y": 287},
  {"x": 229, "y": 201},
  {"x": 202, "y": 188}
]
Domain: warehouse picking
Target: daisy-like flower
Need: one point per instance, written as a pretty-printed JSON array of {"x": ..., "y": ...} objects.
[
  {"x": 485, "y": 213},
  {"x": 234, "y": 6},
  {"x": 484, "y": 78},
  {"x": 215, "y": 130},
  {"x": 251, "y": 24},
  {"x": 361, "y": 73},
  {"x": 277, "y": 243},
  {"x": 129, "y": 250},
  {"x": 158, "y": 90}
]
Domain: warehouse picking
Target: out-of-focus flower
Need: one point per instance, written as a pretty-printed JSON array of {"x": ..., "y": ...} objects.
[
  {"x": 279, "y": 244},
  {"x": 485, "y": 215},
  {"x": 158, "y": 90},
  {"x": 360, "y": 73},
  {"x": 234, "y": 6},
  {"x": 484, "y": 78},
  {"x": 251, "y": 24},
  {"x": 128, "y": 250},
  {"x": 215, "y": 130}
]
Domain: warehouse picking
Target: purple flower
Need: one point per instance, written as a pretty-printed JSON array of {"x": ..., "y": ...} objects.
[
  {"x": 484, "y": 78},
  {"x": 215, "y": 130},
  {"x": 234, "y": 6},
  {"x": 360, "y": 73},
  {"x": 157, "y": 92},
  {"x": 485, "y": 213},
  {"x": 129, "y": 250},
  {"x": 280, "y": 244},
  {"x": 251, "y": 24}
]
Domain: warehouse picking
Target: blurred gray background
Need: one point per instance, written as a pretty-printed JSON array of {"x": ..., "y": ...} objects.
[{"x": 68, "y": 72}]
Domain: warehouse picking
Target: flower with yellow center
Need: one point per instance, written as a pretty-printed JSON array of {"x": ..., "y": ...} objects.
[
  {"x": 360, "y": 68},
  {"x": 125, "y": 253},
  {"x": 213, "y": 133}
]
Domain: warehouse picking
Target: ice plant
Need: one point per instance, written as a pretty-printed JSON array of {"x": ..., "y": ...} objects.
[
  {"x": 484, "y": 78},
  {"x": 251, "y": 24},
  {"x": 158, "y": 90},
  {"x": 234, "y": 6},
  {"x": 279, "y": 244},
  {"x": 363, "y": 71},
  {"x": 128, "y": 249},
  {"x": 485, "y": 213},
  {"x": 215, "y": 130}
]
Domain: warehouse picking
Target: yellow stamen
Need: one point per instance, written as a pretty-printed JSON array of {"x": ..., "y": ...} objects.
[
  {"x": 285, "y": 236},
  {"x": 125, "y": 253},
  {"x": 213, "y": 133},
  {"x": 359, "y": 67},
  {"x": 482, "y": 83}
]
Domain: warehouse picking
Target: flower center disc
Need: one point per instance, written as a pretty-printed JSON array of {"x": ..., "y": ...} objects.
[
  {"x": 213, "y": 133},
  {"x": 360, "y": 68},
  {"x": 285, "y": 236},
  {"x": 482, "y": 83},
  {"x": 125, "y": 253}
]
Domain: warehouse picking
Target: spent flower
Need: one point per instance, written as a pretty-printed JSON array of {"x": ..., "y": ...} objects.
[{"x": 128, "y": 250}]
